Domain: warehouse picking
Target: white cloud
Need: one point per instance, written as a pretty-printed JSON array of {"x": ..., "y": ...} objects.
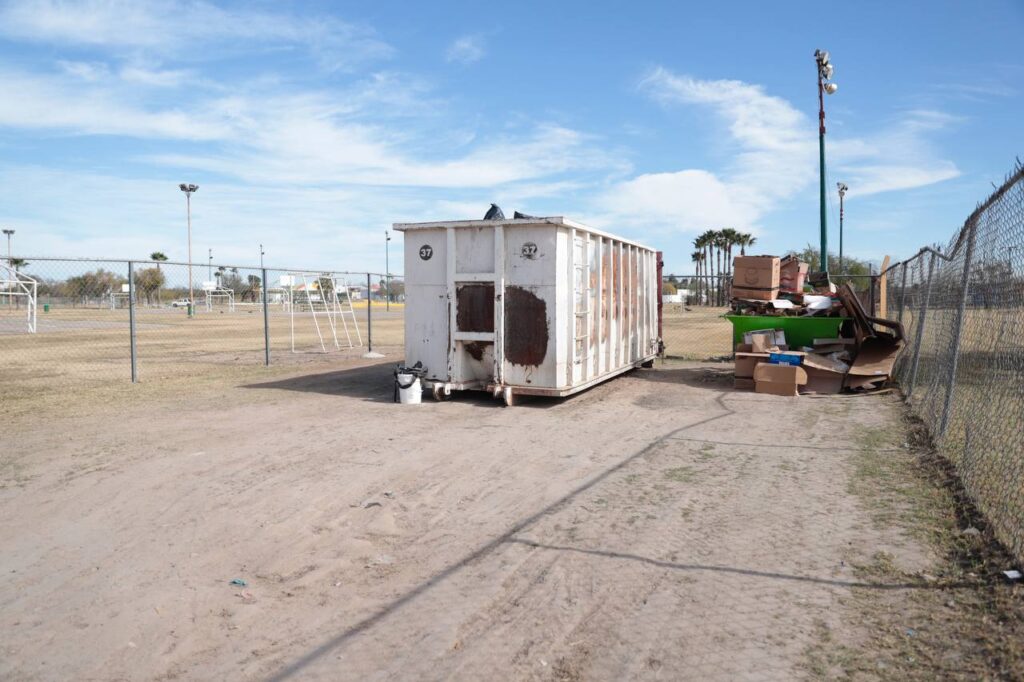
[
  {"x": 186, "y": 28},
  {"x": 466, "y": 49},
  {"x": 773, "y": 159}
]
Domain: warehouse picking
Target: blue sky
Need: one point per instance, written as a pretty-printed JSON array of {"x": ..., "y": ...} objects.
[{"x": 312, "y": 127}]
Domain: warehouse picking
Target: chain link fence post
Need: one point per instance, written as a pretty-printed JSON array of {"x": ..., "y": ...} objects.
[
  {"x": 369, "y": 316},
  {"x": 965, "y": 285},
  {"x": 920, "y": 325},
  {"x": 131, "y": 322},
  {"x": 266, "y": 318},
  {"x": 903, "y": 290}
]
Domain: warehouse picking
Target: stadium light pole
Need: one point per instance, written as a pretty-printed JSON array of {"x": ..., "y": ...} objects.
[
  {"x": 188, "y": 190},
  {"x": 387, "y": 270},
  {"x": 209, "y": 258},
  {"x": 825, "y": 85},
  {"x": 842, "y": 186},
  {"x": 9, "y": 233},
  {"x": 261, "y": 256}
]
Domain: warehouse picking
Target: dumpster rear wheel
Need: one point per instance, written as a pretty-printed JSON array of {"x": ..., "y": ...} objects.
[
  {"x": 647, "y": 364},
  {"x": 508, "y": 397},
  {"x": 440, "y": 395}
]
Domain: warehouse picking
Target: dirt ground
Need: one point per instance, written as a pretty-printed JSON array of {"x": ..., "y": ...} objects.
[{"x": 660, "y": 526}]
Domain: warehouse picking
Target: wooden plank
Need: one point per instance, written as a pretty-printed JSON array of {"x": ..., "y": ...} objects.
[{"x": 883, "y": 291}]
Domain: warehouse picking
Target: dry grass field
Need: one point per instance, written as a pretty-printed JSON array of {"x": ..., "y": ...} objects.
[
  {"x": 697, "y": 333},
  {"x": 77, "y": 349}
]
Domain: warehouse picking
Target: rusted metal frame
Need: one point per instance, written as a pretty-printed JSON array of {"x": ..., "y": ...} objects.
[
  {"x": 450, "y": 292},
  {"x": 629, "y": 304},
  {"x": 965, "y": 280},
  {"x": 499, "y": 304},
  {"x": 920, "y": 326},
  {"x": 610, "y": 345},
  {"x": 598, "y": 303},
  {"x": 571, "y": 280},
  {"x": 621, "y": 356}
]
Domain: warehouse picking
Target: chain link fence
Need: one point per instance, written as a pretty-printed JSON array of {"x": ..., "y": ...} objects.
[
  {"x": 962, "y": 305},
  {"x": 73, "y": 321}
]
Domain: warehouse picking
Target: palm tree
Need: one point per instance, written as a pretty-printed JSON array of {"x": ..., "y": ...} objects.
[
  {"x": 707, "y": 242},
  {"x": 746, "y": 239},
  {"x": 17, "y": 263},
  {"x": 730, "y": 237},
  {"x": 697, "y": 257},
  {"x": 159, "y": 257}
]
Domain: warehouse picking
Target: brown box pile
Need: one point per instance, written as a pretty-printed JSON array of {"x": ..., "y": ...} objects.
[
  {"x": 755, "y": 277},
  {"x": 862, "y": 362}
]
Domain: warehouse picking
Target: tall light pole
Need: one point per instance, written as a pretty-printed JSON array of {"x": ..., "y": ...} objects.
[
  {"x": 9, "y": 233},
  {"x": 387, "y": 270},
  {"x": 824, "y": 86},
  {"x": 209, "y": 259},
  {"x": 261, "y": 256},
  {"x": 842, "y": 193},
  {"x": 188, "y": 190}
]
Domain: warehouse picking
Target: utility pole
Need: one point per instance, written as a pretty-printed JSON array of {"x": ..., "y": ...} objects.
[
  {"x": 824, "y": 86},
  {"x": 387, "y": 270},
  {"x": 188, "y": 190},
  {"x": 842, "y": 193}
]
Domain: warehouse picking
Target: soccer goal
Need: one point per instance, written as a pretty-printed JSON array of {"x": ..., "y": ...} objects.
[
  {"x": 15, "y": 287},
  {"x": 119, "y": 299},
  {"x": 216, "y": 293}
]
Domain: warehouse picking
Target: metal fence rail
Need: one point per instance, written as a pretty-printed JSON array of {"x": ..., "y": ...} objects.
[
  {"x": 963, "y": 373},
  {"x": 102, "y": 320}
]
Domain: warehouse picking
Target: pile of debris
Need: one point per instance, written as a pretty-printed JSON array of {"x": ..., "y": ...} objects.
[
  {"x": 860, "y": 357},
  {"x": 769, "y": 285}
]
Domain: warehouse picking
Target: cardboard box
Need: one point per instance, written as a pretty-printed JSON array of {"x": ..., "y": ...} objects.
[
  {"x": 743, "y": 384},
  {"x": 783, "y": 380},
  {"x": 776, "y": 336},
  {"x": 755, "y": 277},
  {"x": 824, "y": 375},
  {"x": 874, "y": 363},
  {"x": 792, "y": 273},
  {"x": 746, "y": 362}
]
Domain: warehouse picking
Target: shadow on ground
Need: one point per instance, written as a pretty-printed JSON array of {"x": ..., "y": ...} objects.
[
  {"x": 376, "y": 383},
  {"x": 703, "y": 376}
]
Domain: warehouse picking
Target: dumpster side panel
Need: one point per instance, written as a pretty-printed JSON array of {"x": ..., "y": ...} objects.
[
  {"x": 530, "y": 306},
  {"x": 426, "y": 304}
]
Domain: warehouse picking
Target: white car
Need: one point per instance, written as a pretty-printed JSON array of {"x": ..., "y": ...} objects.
[{"x": 180, "y": 303}]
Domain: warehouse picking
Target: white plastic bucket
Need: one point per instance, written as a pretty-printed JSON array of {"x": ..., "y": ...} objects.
[{"x": 410, "y": 390}]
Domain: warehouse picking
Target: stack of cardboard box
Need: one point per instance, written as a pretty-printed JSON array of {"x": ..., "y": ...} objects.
[{"x": 765, "y": 363}]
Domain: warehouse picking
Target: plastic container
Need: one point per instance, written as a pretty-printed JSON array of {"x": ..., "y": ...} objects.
[
  {"x": 800, "y": 331},
  {"x": 408, "y": 387}
]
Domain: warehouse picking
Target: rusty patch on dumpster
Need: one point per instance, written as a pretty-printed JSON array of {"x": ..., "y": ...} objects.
[
  {"x": 476, "y": 349},
  {"x": 526, "y": 327},
  {"x": 474, "y": 309}
]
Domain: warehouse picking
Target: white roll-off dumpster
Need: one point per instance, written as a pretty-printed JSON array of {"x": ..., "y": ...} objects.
[{"x": 536, "y": 306}]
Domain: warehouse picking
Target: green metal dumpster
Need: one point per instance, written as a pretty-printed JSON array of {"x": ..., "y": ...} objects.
[{"x": 800, "y": 331}]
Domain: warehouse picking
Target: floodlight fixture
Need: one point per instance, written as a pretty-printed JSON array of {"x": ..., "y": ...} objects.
[
  {"x": 842, "y": 188},
  {"x": 830, "y": 88},
  {"x": 822, "y": 56}
]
